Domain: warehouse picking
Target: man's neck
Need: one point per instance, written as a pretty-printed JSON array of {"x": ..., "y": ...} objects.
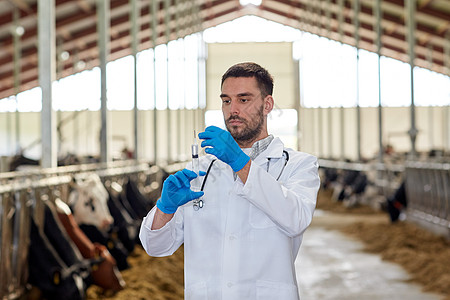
[
  {"x": 260, "y": 146},
  {"x": 249, "y": 143}
]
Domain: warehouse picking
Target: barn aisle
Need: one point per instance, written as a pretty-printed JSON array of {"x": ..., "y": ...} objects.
[{"x": 334, "y": 266}]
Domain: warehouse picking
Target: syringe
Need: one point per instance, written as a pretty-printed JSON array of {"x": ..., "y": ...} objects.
[{"x": 196, "y": 183}]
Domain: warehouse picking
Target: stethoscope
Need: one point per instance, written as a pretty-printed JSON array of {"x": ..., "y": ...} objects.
[{"x": 198, "y": 203}]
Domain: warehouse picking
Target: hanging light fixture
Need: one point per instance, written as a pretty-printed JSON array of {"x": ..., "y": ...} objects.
[{"x": 17, "y": 30}]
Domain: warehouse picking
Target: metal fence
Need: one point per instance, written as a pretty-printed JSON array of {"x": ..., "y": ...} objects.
[
  {"x": 385, "y": 176},
  {"x": 427, "y": 188},
  {"x": 20, "y": 197},
  {"x": 18, "y": 201},
  {"x": 428, "y": 192}
]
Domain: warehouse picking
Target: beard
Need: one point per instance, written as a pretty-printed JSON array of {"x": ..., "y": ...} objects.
[{"x": 251, "y": 128}]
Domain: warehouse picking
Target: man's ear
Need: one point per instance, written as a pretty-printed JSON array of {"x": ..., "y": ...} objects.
[{"x": 268, "y": 104}]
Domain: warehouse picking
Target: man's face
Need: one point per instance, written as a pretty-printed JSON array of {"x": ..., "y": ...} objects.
[{"x": 244, "y": 109}]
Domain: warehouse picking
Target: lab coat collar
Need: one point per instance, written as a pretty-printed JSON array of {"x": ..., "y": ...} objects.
[{"x": 275, "y": 150}]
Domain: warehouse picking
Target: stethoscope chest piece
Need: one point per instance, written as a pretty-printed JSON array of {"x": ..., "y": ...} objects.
[{"x": 198, "y": 204}]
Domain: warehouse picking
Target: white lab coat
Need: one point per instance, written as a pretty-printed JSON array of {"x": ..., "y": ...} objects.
[{"x": 243, "y": 243}]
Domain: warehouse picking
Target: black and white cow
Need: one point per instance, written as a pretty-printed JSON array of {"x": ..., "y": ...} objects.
[
  {"x": 55, "y": 265},
  {"x": 140, "y": 203},
  {"x": 88, "y": 201}
]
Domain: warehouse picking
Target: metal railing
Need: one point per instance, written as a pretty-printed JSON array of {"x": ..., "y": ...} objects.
[
  {"x": 18, "y": 202},
  {"x": 20, "y": 197},
  {"x": 428, "y": 192},
  {"x": 385, "y": 176},
  {"x": 427, "y": 187}
]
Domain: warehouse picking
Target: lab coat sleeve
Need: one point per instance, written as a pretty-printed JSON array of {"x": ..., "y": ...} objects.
[
  {"x": 290, "y": 204},
  {"x": 164, "y": 241}
]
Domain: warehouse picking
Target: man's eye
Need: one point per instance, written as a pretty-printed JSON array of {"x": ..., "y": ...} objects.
[
  {"x": 243, "y": 100},
  {"x": 226, "y": 101}
]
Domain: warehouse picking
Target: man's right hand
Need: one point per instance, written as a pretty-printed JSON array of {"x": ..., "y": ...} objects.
[{"x": 176, "y": 191}]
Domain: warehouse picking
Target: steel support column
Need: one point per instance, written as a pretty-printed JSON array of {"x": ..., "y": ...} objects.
[
  {"x": 329, "y": 110},
  {"x": 77, "y": 122},
  {"x": 47, "y": 64},
  {"x": 18, "y": 31},
  {"x": 201, "y": 66},
  {"x": 342, "y": 110},
  {"x": 320, "y": 130},
  {"x": 356, "y": 10},
  {"x": 103, "y": 24},
  {"x": 378, "y": 29},
  {"x": 181, "y": 109},
  {"x": 59, "y": 69},
  {"x": 431, "y": 129},
  {"x": 410, "y": 7},
  {"x": 154, "y": 25},
  {"x": 447, "y": 70},
  {"x": 134, "y": 14},
  {"x": 169, "y": 114}
]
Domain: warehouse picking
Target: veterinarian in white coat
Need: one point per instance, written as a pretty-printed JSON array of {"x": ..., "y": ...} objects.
[{"x": 258, "y": 199}]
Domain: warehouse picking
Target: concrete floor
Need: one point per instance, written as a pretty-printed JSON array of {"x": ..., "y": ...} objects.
[{"x": 333, "y": 266}]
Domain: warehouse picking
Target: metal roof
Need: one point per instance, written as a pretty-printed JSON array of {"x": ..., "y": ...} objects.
[{"x": 76, "y": 29}]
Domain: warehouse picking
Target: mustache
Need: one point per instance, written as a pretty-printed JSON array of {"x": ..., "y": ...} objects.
[{"x": 235, "y": 118}]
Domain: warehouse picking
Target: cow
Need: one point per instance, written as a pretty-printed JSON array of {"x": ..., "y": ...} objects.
[
  {"x": 355, "y": 191},
  {"x": 140, "y": 203},
  {"x": 106, "y": 274},
  {"x": 125, "y": 226},
  {"x": 21, "y": 160},
  {"x": 55, "y": 265},
  {"x": 88, "y": 200},
  {"x": 90, "y": 204},
  {"x": 329, "y": 177},
  {"x": 111, "y": 241},
  {"x": 397, "y": 203}
]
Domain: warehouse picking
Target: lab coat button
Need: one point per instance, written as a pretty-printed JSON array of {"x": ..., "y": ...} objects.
[
  {"x": 232, "y": 237},
  {"x": 229, "y": 284}
]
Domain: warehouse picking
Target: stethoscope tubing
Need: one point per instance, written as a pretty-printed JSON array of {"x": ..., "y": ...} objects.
[{"x": 285, "y": 154}]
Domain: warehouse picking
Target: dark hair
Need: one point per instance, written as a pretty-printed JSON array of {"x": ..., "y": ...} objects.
[{"x": 249, "y": 69}]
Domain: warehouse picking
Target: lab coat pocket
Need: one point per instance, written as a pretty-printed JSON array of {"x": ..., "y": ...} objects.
[
  {"x": 258, "y": 219},
  {"x": 269, "y": 290},
  {"x": 197, "y": 291}
]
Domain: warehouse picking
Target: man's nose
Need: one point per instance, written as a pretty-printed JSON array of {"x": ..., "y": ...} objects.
[{"x": 234, "y": 108}]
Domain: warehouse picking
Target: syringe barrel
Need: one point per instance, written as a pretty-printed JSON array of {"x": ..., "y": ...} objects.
[
  {"x": 195, "y": 183},
  {"x": 194, "y": 150}
]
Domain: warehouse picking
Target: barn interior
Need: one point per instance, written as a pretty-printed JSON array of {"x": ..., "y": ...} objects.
[{"x": 109, "y": 92}]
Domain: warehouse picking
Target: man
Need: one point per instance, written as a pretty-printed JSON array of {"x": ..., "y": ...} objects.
[{"x": 258, "y": 200}]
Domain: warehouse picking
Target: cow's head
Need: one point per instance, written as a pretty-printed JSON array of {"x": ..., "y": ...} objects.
[{"x": 89, "y": 202}]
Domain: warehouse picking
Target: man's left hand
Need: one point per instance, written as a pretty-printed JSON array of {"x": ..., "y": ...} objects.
[{"x": 221, "y": 144}]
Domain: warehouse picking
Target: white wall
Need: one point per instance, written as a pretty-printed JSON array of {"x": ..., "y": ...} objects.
[
  {"x": 431, "y": 123},
  {"x": 275, "y": 57},
  {"x": 81, "y": 135}
]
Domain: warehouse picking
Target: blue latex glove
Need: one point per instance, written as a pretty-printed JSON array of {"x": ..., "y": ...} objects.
[
  {"x": 176, "y": 191},
  {"x": 224, "y": 147}
]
